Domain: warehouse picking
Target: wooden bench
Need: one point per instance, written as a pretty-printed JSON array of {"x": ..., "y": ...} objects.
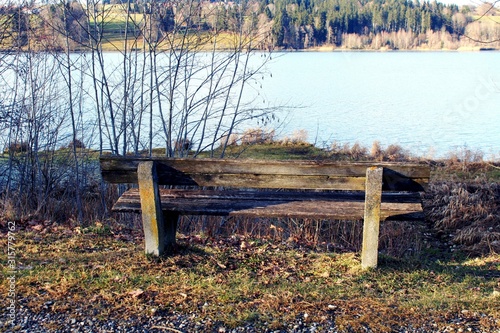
[{"x": 295, "y": 189}]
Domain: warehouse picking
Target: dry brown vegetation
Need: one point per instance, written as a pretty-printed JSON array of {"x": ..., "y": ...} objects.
[{"x": 466, "y": 213}]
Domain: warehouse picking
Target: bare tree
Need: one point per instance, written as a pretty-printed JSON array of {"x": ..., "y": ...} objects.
[
  {"x": 484, "y": 30},
  {"x": 198, "y": 89},
  {"x": 175, "y": 80}
]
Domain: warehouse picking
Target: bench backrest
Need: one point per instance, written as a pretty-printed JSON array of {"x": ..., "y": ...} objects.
[{"x": 308, "y": 175}]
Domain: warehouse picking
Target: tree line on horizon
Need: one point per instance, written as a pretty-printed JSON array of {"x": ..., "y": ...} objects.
[
  {"x": 303, "y": 23},
  {"x": 286, "y": 24}
]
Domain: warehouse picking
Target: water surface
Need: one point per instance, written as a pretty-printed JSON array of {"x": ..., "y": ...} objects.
[{"x": 429, "y": 102}]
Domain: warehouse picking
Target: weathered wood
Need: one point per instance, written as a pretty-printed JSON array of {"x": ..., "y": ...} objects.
[
  {"x": 267, "y": 174},
  {"x": 270, "y": 167},
  {"x": 371, "y": 224},
  {"x": 296, "y": 204},
  {"x": 270, "y": 181},
  {"x": 307, "y": 189},
  {"x": 150, "y": 202}
]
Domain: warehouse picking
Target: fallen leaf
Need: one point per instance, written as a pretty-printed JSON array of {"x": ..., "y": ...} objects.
[
  {"x": 94, "y": 298},
  {"x": 38, "y": 227},
  {"x": 136, "y": 293},
  {"x": 325, "y": 274}
]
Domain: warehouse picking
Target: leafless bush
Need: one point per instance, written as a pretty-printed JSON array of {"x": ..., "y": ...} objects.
[
  {"x": 395, "y": 153},
  {"x": 358, "y": 151},
  {"x": 257, "y": 135},
  {"x": 346, "y": 151},
  {"x": 376, "y": 152},
  {"x": 232, "y": 140},
  {"x": 298, "y": 137},
  {"x": 464, "y": 158},
  {"x": 16, "y": 147},
  {"x": 77, "y": 144}
]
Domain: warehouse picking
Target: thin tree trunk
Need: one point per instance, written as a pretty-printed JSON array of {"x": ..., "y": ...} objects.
[{"x": 69, "y": 82}]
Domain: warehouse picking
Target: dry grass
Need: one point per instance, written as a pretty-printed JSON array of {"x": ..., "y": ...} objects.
[
  {"x": 466, "y": 213},
  {"x": 103, "y": 273},
  {"x": 397, "y": 238},
  {"x": 357, "y": 152}
]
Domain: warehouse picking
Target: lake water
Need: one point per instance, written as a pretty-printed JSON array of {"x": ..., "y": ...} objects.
[{"x": 431, "y": 103}]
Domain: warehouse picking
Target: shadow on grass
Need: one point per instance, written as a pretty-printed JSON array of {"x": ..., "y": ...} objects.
[{"x": 457, "y": 266}]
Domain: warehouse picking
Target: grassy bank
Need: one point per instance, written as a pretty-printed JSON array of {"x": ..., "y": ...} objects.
[{"x": 438, "y": 275}]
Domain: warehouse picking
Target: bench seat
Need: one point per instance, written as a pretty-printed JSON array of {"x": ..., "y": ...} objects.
[{"x": 275, "y": 204}]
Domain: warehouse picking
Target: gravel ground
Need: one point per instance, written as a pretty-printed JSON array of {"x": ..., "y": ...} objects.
[{"x": 46, "y": 321}]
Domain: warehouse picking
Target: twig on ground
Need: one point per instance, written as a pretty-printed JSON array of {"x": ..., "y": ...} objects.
[{"x": 167, "y": 328}]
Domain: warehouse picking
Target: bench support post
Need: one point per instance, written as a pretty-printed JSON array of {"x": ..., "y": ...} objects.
[
  {"x": 371, "y": 226},
  {"x": 159, "y": 233},
  {"x": 170, "y": 220}
]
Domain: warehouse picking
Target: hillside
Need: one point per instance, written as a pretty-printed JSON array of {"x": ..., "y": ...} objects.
[{"x": 283, "y": 24}]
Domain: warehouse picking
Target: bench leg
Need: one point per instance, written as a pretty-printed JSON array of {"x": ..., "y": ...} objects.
[
  {"x": 152, "y": 216},
  {"x": 373, "y": 193},
  {"x": 170, "y": 226}
]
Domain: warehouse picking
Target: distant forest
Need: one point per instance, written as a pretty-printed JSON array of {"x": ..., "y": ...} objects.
[
  {"x": 282, "y": 24},
  {"x": 394, "y": 24}
]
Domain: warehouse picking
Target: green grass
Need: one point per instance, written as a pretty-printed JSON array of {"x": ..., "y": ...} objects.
[
  {"x": 487, "y": 19},
  {"x": 273, "y": 152}
]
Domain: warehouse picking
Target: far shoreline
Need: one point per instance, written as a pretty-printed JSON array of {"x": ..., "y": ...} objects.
[
  {"x": 323, "y": 48},
  {"x": 341, "y": 49}
]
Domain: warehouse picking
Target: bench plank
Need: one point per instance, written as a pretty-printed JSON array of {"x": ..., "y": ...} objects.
[
  {"x": 294, "y": 204},
  {"x": 267, "y": 174}
]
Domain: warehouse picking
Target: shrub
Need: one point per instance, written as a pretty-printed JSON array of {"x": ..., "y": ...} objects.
[
  {"x": 358, "y": 152},
  {"x": 466, "y": 214},
  {"x": 395, "y": 153},
  {"x": 464, "y": 159},
  {"x": 299, "y": 136},
  {"x": 257, "y": 135},
  {"x": 77, "y": 144},
  {"x": 232, "y": 139},
  {"x": 183, "y": 145},
  {"x": 345, "y": 151},
  {"x": 16, "y": 147},
  {"x": 376, "y": 151}
]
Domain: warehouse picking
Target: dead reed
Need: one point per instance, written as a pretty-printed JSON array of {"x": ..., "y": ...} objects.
[
  {"x": 397, "y": 238},
  {"x": 467, "y": 214}
]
